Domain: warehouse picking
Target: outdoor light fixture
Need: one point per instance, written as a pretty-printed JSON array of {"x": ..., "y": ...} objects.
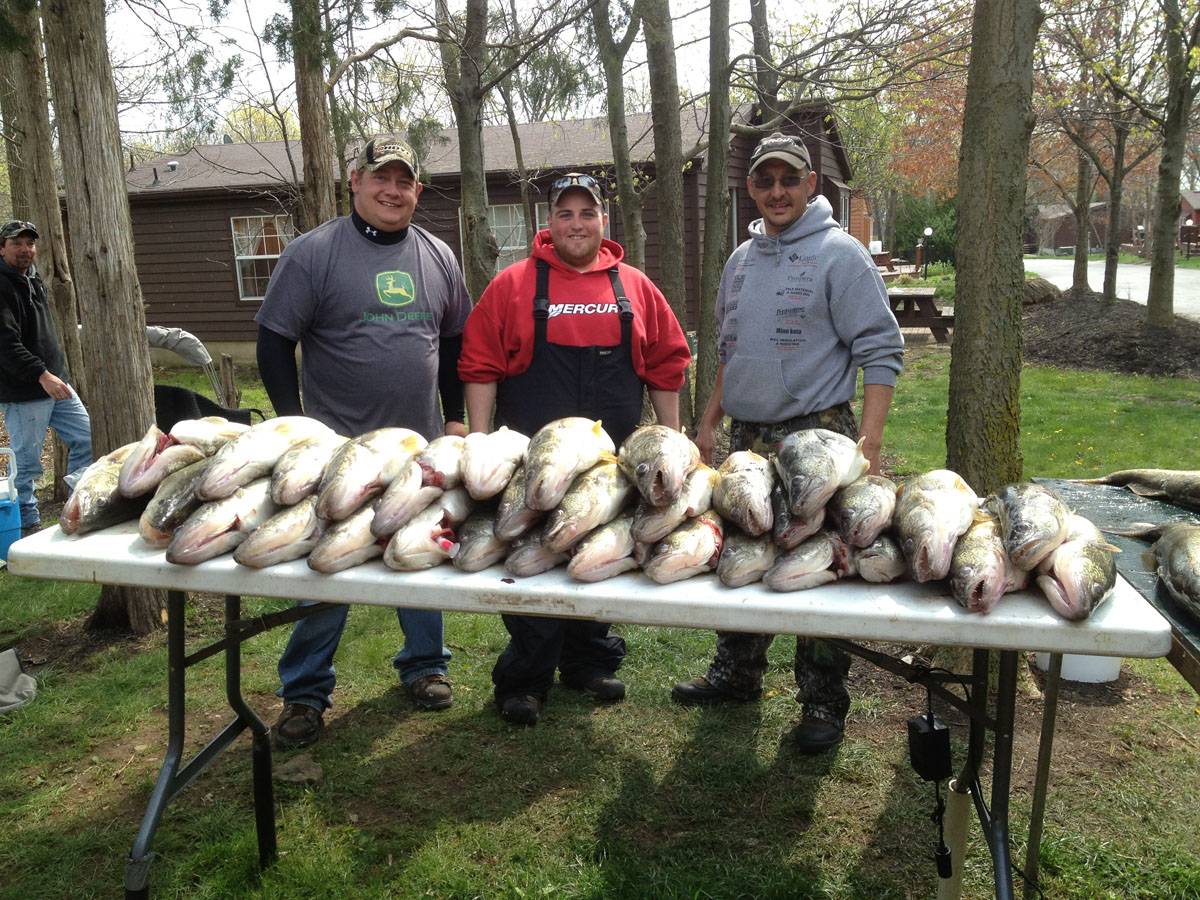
[
  {"x": 928, "y": 234},
  {"x": 1187, "y": 241}
]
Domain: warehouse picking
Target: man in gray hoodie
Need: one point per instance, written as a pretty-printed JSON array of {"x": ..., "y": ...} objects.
[{"x": 800, "y": 310}]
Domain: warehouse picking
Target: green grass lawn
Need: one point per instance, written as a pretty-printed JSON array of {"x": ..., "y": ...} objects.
[{"x": 642, "y": 799}]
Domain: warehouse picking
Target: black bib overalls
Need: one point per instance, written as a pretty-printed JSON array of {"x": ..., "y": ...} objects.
[{"x": 598, "y": 382}]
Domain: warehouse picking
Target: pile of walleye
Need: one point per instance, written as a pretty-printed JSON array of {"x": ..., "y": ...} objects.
[{"x": 290, "y": 487}]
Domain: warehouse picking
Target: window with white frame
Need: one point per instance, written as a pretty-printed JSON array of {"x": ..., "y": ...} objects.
[
  {"x": 257, "y": 243},
  {"x": 508, "y": 225}
]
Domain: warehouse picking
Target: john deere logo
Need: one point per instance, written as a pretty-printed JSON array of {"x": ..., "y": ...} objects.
[{"x": 395, "y": 288}]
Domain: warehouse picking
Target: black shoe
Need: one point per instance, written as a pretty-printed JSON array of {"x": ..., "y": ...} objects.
[
  {"x": 298, "y": 726},
  {"x": 814, "y": 735},
  {"x": 431, "y": 692},
  {"x": 604, "y": 688},
  {"x": 524, "y": 709},
  {"x": 698, "y": 692}
]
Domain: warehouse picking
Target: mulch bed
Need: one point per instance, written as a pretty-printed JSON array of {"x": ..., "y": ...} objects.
[{"x": 1084, "y": 332}]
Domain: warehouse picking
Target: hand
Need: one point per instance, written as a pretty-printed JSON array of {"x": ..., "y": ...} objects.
[
  {"x": 455, "y": 428},
  {"x": 54, "y": 386},
  {"x": 873, "y": 450},
  {"x": 706, "y": 439}
]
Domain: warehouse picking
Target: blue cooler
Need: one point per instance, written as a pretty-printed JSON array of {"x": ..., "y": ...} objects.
[{"x": 10, "y": 512}]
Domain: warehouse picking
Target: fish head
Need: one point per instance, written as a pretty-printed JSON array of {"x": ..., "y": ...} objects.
[
  {"x": 927, "y": 542},
  {"x": 1078, "y": 580}
]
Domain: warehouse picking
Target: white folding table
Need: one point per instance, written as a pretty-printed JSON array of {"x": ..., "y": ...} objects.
[{"x": 848, "y": 612}]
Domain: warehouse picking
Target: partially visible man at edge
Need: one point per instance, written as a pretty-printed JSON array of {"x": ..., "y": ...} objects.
[
  {"x": 377, "y": 305},
  {"x": 570, "y": 331},
  {"x": 800, "y": 310},
  {"x": 35, "y": 393}
]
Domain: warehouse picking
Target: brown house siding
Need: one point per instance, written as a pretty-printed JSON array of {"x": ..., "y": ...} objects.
[{"x": 860, "y": 219}]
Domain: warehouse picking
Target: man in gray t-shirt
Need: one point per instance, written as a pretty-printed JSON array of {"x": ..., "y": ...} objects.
[{"x": 377, "y": 305}]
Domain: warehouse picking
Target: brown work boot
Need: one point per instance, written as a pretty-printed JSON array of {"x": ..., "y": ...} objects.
[
  {"x": 298, "y": 726},
  {"x": 431, "y": 692}
]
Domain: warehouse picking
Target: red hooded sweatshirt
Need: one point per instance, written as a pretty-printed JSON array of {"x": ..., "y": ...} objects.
[{"x": 498, "y": 338}]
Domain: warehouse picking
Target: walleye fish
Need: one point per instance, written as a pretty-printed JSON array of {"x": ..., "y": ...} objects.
[
  {"x": 1033, "y": 521},
  {"x": 155, "y": 457},
  {"x": 220, "y": 525},
  {"x": 790, "y": 531},
  {"x": 514, "y": 518},
  {"x": 254, "y": 452},
  {"x": 208, "y": 434},
  {"x": 429, "y": 538},
  {"x": 289, "y": 534},
  {"x": 490, "y": 460},
  {"x": 1175, "y": 556},
  {"x": 658, "y": 459},
  {"x": 441, "y": 462},
  {"x": 880, "y": 563},
  {"x": 1079, "y": 573},
  {"x": 172, "y": 503},
  {"x": 362, "y": 468},
  {"x": 653, "y": 523},
  {"x": 96, "y": 501},
  {"x": 815, "y": 462},
  {"x": 346, "y": 544},
  {"x": 528, "y": 555},
  {"x": 743, "y": 493},
  {"x": 557, "y": 453},
  {"x": 690, "y": 549},
  {"x": 980, "y": 569},
  {"x": 406, "y": 496},
  {"x": 1178, "y": 486},
  {"x": 299, "y": 471},
  {"x": 932, "y": 510},
  {"x": 594, "y": 499},
  {"x": 607, "y": 551},
  {"x": 478, "y": 546},
  {"x": 823, "y": 558},
  {"x": 862, "y": 510},
  {"x": 745, "y": 559}
]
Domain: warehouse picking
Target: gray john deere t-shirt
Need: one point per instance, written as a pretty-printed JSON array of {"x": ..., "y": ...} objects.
[{"x": 368, "y": 318}]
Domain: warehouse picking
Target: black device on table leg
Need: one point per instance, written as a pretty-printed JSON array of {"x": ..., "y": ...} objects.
[{"x": 929, "y": 753}]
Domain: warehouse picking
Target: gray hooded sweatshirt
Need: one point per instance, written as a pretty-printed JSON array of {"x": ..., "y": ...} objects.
[{"x": 798, "y": 314}]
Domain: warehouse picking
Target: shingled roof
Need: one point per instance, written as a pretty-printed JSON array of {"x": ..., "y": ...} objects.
[{"x": 576, "y": 143}]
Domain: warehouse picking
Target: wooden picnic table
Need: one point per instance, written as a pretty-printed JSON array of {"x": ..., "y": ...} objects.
[{"x": 915, "y": 307}]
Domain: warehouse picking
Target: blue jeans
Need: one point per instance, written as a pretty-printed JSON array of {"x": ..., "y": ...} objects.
[
  {"x": 27, "y": 421},
  {"x": 306, "y": 667}
]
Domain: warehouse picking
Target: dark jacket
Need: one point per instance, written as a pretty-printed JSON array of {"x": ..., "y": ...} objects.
[{"x": 28, "y": 343}]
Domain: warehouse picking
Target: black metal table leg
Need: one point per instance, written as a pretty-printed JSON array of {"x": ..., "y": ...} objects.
[
  {"x": 260, "y": 753},
  {"x": 137, "y": 866}
]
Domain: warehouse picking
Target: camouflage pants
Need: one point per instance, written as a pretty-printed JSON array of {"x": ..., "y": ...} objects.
[{"x": 741, "y": 659}]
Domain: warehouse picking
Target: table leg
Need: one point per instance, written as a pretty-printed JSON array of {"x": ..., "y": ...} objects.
[
  {"x": 137, "y": 866},
  {"x": 1041, "y": 784},
  {"x": 264, "y": 792}
]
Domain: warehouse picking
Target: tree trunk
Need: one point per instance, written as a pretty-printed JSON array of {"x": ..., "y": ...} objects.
[
  {"x": 889, "y": 227},
  {"x": 464, "y": 60},
  {"x": 1083, "y": 222},
  {"x": 668, "y": 163},
  {"x": 20, "y": 187},
  {"x": 318, "y": 203},
  {"x": 1116, "y": 187},
  {"x": 983, "y": 422},
  {"x": 612, "y": 60},
  {"x": 716, "y": 199},
  {"x": 1160, "y": 303},
  {"x": 766, "y": 79},
  {"x": 528, "y": 201},
  {"x": 110, "y": 300}
]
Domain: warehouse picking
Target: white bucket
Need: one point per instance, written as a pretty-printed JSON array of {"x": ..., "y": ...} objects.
[{"x": 1090, "y": 669}]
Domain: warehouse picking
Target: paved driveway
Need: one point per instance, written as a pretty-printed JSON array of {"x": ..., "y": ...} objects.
[{"x": 1133, "y": 281}]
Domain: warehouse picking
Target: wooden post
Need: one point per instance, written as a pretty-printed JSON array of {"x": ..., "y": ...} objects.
[{"x": 233, "y": 397}]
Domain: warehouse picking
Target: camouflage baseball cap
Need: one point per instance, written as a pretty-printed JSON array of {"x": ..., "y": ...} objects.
[
  {"x": 16, "y": 228},
  {"x": 379, "y": 151}
]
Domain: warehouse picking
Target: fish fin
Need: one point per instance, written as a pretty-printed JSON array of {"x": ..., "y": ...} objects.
[
  {"x": 1111, "y": 548},
  {"x": 1144, "y": 530},
  {"x": 1143, "y": 491},
  {"x": 605, "y": 456},
  {"x": 1149, "y": 559},
  {"x": 981, "y": 515}
]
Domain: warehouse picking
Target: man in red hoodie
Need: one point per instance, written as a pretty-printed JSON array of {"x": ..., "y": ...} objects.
[{"x": 571, "y": 331}]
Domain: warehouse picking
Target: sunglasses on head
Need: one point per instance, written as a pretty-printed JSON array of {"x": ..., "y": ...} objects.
[{"x": 566, "y": 181}]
